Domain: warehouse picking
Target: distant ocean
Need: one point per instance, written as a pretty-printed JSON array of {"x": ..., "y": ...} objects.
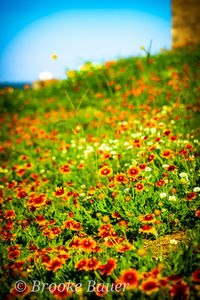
[{"x": 15, "y": 85}]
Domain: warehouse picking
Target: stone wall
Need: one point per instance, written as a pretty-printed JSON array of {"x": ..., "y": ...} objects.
[{"x": 185, "y": 22}]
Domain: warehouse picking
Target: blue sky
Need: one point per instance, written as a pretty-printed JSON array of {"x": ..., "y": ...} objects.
[{"x": 77, "y": 31}]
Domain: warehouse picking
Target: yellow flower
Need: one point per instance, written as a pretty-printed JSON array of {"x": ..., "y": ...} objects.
[
  {"x": 142, "y": 252},
  {"x": 142, "y": 48},
  {"x": 71, "y": 74},
  {"x": 54, "y": 56}
]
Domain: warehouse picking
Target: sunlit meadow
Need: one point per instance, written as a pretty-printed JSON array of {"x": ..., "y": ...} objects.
[{"x": 100, "y": 182}]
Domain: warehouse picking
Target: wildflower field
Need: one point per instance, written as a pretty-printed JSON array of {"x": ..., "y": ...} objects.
[{"x": 100, "y": 182}]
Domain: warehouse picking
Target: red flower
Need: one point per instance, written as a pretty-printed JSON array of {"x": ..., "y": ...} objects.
[
  {"x": 87, "y": 244},
  {"x": 120, "y": 178},
  {"x": 14, "y": 254},
  {"x": 196, "y": 276},
  {"x": 61, "y": 291},
  {"x": 13, "y": 248},
  {"x": 140, "y": 187},
  {"x": 22, "y": 194},
  {"x": 109, "y": 267},
  {"x": 106, "y": 230},
  {"x": 197, "y": 213},
  {"x": 167, "y": 132},
  {"x": 59, "y": 192},
  {"x": 38, "y": 201},
  {"x": 65, "y": 169},
  {"x": 45, "y": 259},
  {"x": 76, "y": 226},
  {"x": 131, "y": 277},
  {"x": 10, "y": 214},
  {"x": 22, "y": 290},
  {"x": 81, "y": 265},
  {"x": 142, "y": 166},
  {"x": 183, "y": 152},
  {"x": 124, "y": 248},
  {"x": 167, "y": 153},
  {"x": 92, "y": 264},
  {"x": 40, "y": 219},
  {"x": 55, "y": 230},
  {"x": 105, "y": 171},
  {"x": 180, "y": 290},
  {"x": 173, "y": 138},
  {"x": 100, "y": 290},
  {"x": 80, "y": 166},
  {"x": 21, "y": 172},
  {"x": 132, "y": 172},
  {"x": 171, "y": 168},
  {"x": 68, "y": 223},
  {"x": 191, "y": 196},
  {"x": 18, "y": 265},
  {"x": 151, "y": 157},
  {"x": 160, "y": 183},
  {"x": 116, "y": 215},
  {"x": 76, "y": 243},
  {"x": 189, "y": 146},
  {"x": 149, "y": 286},
  {"x": 163, "y": 283},
  {"x": 148, "y": 219},
  {"x": 147, "y": 229},
  {"x": 54, "y": 264}
]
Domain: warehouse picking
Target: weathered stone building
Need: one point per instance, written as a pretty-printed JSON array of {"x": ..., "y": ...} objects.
[{"x": 185, "y": 22}]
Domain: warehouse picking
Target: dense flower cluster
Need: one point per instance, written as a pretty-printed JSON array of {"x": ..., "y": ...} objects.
[{"x": 82, "y": 189}]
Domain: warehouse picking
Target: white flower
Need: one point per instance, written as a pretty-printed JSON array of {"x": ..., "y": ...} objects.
[
  {"x": 148, "y": 169},
  {"x": 153, "y": 130},
  {"x": 196, "y": 189},
  {"x": 165, "y": 166},
  {"x": 172, "y": 198},
  {"x": 113, "y": 152},
  {"x": 163, "y": 195},
  {"x": 183, "y": 175},
  {"x": 173, "y": 242}
]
